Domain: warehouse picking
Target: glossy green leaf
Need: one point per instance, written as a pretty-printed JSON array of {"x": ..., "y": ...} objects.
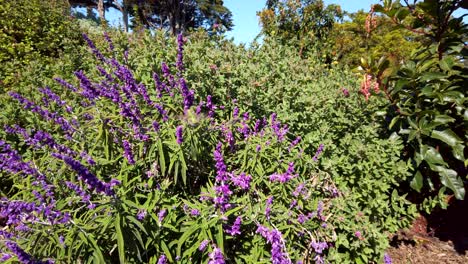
[
  {"x": 450, "y": 179},
  {"x": 447, "y": 136},
  {"x": 417, "y": 182}
]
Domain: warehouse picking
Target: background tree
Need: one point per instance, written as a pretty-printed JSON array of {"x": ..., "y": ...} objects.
[
  {"x": 352, "y": 41},
  {"x": 100, "y": 5},
  {"x": 174, "y": 15},
  {"x": 181, "y": 15},
  {"x": 303, "y": 23}
]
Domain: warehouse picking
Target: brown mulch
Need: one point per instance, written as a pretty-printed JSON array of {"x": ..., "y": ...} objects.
[{"x": 441, "y": 237}]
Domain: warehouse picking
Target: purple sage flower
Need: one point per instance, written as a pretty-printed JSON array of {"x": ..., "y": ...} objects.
[
  {"x": 216, "y": 257},
  {"x": 203, "y": 245},
  {"x": 319, "y": 247},
  {"x": 109, "y": 41},
  {"x": 278, "y": 250},
  {"x": 179, "y": 134},
  {"x": 180, "y": 53},
  {"x": 387, "y": 259},
  {"x": 162, "y": 259},
  {"x": 141, "y": 214},
  {"x": 235, "y": 228},
  {"x": 242, "y": 181},
  {"x": 162, "y": 215},
  {"x": 345, "y": 92},
  {"x": 318, "y": 152},
  {"x": 128, "y": 154}
]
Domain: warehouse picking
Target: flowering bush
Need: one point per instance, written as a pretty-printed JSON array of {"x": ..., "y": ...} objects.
[
  {"x": 114, "y": 170},
  {"x": 133, "y": 162}
]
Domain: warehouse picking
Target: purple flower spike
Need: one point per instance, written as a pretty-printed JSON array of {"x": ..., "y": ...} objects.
[
  {"x": 278, "y": 250},
  {"x": 319, "y": 247},
  {"x": 216, "y": 257},
  {"x": 85, "y": 175},
  {"x": 141, "y": 214},
  {"x": 235, "y": 113},
  {"x": 235, "y": 228},
  {"x": 387, "y": 259},
  {"x": 66, "y": 84},
  {"x": 162, "y": 215},
  {"x": 109, "y": 41},
  {"x": 180, "y": 53},
  {"x": 318, "y": 152},
  {"x": 242, "y": 181},
  {"x": 203, "y": 245},
  {"x": 5, "y": 257},
  {"x": 96, "y": 52},
  {"x": 284, "y": 177},
  {"x": 23, "y": 257},
  {"x": 128, "y": 154},
  {"x": 187, "y": 95},
  {"x": 162, "y": 259},
  {"x": 179, "y": 134},
  {"x": 294, "y": 143},
  {"x": 194, "y": 212},
  {"x": 220, "y": 166}
]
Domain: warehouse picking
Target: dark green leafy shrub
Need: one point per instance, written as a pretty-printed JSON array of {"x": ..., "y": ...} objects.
[{"x": 428, "y": 96}]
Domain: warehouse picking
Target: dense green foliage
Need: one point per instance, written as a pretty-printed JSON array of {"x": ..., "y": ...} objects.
[
  {"x": 230, "y": 71},
  {"x": 34, "y": 32},
  {"x": 428, "y": 95},
  {"x": 230, "y": 153}
]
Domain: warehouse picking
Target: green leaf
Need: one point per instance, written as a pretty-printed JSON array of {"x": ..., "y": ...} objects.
[
  {"x": 120, "y": 239},
  {"x": 220, "y": 237},
  {"x": 432, "y": 156},
  {"x": 443, "y": 119},
  {"x": 446, "y": 64},
  {"x": 184, "y": 237},
  {"x": 417, "y": 182},
  {"x": 430, "y": 76},
  {"x": 449, "y": 178},
  {"x": 166, "y": 250},
  {"x": 447, "y": 136}
]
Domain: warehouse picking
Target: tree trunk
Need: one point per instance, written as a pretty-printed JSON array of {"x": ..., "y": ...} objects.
[
  {"x": 123, "y": 9},
  {"x": 102, "y": 13}
]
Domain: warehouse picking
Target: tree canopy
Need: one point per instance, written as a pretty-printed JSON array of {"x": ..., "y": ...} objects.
[
  {"x": 174, "y": 15},
  {"x": 302, "y": 23}
]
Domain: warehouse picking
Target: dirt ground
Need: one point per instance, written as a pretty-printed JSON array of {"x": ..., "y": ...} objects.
[{"x": 441, "y": 237}]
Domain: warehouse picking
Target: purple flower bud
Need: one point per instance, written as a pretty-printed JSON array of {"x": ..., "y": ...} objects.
[
  {"x": 318, "y": 152},
  {"x": 216, "y": 257},
  {"x": 162, "y": 215},
  {"x": 179, "y": 134},
  {"x": 194, "y": 212},
  {"x": 203, "y": 245},
  {"x": 109, "y": 41},
  {"x": 345, "y": 92},
  {"x": 128, "y": 154},
  {"x": 387, "y": 259},
  {"x": 235, "y": 228},
  {"x": 141, "y": 214},
  {"x": 162, "y": 259}
]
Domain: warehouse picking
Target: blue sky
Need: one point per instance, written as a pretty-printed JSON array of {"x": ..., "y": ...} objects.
[{"x": 246, "y": 26}]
